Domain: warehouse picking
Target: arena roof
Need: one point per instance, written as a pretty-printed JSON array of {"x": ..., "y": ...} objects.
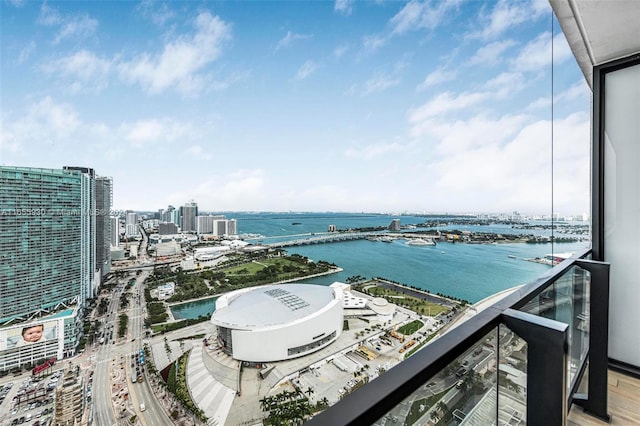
[{"x": 273, "y": 305}]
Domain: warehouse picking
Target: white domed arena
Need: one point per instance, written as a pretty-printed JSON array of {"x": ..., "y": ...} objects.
[{"x": 278, "y": 322}]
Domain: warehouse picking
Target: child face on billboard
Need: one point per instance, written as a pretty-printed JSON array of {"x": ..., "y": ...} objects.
[{"x": 33, "y": 334}]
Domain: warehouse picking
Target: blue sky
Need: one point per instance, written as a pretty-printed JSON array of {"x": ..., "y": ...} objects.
[{"x": 387, "y": 106}]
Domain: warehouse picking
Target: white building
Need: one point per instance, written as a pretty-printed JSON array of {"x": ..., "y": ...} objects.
[
  {"x": 209, "y": 253},
  {"x": 232, "y": 227},
  {"x": 278, "y": 322},
  {"x": 166, "y": 290},
  {"x": 170, "y": 248},
  {"x": 131, "y": 225}
]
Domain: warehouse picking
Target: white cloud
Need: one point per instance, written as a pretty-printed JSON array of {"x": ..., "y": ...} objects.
[
  {"x": 154, "y": 131},
  {"x": 306, "y": 70},
  {"x": 464, "y": 135},
  {"x": 440, "y": 75},
  {"x": 339, "y": 51},
  {"x": 290, "y": 38},
  {"x": 372, "y": 151},
  {"x": 240, "y": 190},
  {"x": 182, "y": 61},
  {"x": 444, "y": 103},
  {"x": 379, "y": 83},
  {"x": 45, "y": 122},
  {"x": 344, "y": 7},
  {"x": 158, "y": 13},
  {"x": 373, "y": 42},
  {"x": 506, "y": 84},
  {"x": 49, "y": 16},
  {"x": 576, "y": 91},
  {"x": 198, "y": 152},
  {"x": 418, "y": 15},
  {"x": 79, "y": 26},
  {"x": 491, "y": 54},
  {"x": 508, "y": 160},
  {"x": 26, "y": 52},
  {"x": 507, "y": 14},
  {"x": 536, "y": 54},
  {"x": 89, "y": 71}
]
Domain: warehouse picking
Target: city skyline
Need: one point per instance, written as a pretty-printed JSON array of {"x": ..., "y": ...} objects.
[{"x": 315, "y": 106}]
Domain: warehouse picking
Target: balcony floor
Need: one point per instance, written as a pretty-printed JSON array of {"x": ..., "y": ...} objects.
[{"x": 624, "y": 404}]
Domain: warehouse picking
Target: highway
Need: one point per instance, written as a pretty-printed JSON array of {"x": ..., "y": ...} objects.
[
  {"x": 141, "y": 392},
  {"x": 109, "y": 355},
  {"x": 101, "y": 403}
]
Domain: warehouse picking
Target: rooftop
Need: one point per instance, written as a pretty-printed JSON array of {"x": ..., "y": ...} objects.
[{"x": 272, "y": 305}]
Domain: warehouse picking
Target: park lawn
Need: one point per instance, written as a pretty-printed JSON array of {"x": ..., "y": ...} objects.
[
  {"x": 417, "y": 305},
  {"x": 251, "y": 268},
  {"x": 411, "y": 327}
]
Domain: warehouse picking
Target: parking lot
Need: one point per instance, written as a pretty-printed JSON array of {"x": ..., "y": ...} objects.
[{"x": 28, "y": 401}]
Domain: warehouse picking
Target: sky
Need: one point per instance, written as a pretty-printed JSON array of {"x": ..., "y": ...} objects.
[{"x": 345, "y": 106}]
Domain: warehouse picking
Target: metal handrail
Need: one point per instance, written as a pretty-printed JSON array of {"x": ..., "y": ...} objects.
[{"x": 377, "y": 398}]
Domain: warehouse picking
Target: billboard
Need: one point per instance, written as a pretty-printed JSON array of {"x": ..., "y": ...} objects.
[{"x": 35, "y": 333}]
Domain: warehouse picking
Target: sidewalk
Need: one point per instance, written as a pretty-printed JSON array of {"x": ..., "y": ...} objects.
[{"x": 211, "y": 396}]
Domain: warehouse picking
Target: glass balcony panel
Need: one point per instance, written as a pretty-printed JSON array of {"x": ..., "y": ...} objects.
[
  {"x": 512, "y": 378},
  {"x": 463, "y": 393},
  {"x": 567, "y": 301}
]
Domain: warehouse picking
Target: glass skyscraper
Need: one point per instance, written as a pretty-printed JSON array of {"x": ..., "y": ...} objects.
[
  {"x": 47, "y": 240},
  {"x": 104, "y": 194}
]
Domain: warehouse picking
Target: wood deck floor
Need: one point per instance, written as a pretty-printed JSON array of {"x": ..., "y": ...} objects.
[{"x": 624, "y": 404}]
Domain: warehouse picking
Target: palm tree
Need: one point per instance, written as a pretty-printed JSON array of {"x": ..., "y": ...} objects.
[
  {"x": 263, "y": 404},
  {"x": 442, "y": 407},
  {"x": 309, "y": 391}
]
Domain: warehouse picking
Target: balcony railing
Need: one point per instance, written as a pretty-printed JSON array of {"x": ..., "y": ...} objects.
[{"x": 520, "y": 361}]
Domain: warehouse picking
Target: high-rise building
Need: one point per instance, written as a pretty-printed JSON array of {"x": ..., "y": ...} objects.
[
  {"x": 188, "y": 214},
  {"x": 131, "y": 225},
  {"x": 220, "y": 227},
  {"x": 205, "y": 224},
  {"x": 172, "y": 215},
  {"x": 115, "y": 231},
  {"x": 88, "y": 240},
  {"x": 167, "y": 228},
  {"x": 104, "y": 194},
  {"x": 394, "y": 225},
  {"x": 47, "y": 259},
  {"x": 232, "y": 227}
]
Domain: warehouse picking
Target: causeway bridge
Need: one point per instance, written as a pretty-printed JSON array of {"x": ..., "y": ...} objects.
[
  {"x": 325, "y": 238},
  {"x": 344, "y": 236}
]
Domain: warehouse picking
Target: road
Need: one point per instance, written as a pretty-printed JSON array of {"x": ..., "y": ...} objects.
[
  {"x": 111, "y": 354},
  {"x": 142, "y": 392},
  {"x": 101, "y": 404}
]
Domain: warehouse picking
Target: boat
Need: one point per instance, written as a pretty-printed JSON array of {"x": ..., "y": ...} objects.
[
  {"x": 512, "y": 256},
  {"x": 296, "y": 223},
  {"x": 386, "y": 239},
  {"x": 420, "y": 242}
]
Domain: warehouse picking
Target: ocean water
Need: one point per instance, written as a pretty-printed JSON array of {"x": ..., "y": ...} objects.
[{"x": 466, "y": 271}]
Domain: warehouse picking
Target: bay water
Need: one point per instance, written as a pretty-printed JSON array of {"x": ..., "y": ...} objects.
[{"x": 465, "y": 271}]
